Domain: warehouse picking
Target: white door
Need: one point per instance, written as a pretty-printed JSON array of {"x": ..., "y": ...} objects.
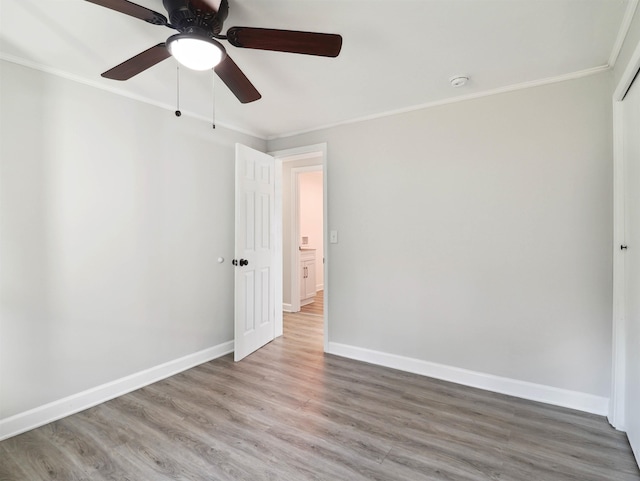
[
  {"x": 255, "y": 253},
  {"x": 631, "y": 149}
]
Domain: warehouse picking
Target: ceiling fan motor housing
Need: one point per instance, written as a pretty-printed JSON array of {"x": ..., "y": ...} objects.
[{"x": 195, "y": 16}]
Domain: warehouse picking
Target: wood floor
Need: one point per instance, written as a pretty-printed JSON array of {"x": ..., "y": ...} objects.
[
  {"x": 316, "y": 307},
  {"x": 290, "y": 412}
]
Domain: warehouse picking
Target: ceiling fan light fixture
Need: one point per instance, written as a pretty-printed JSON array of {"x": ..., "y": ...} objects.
[{"x": 196, "y": 52}]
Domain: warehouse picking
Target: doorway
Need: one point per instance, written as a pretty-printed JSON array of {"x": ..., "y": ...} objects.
[
  {"x": 625, "y": 394},
  {"x": 631, "y": 260},
  {"x": 304, "y": 233}
]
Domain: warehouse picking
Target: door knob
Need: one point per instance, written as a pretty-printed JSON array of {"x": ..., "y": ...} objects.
[{"x": 244, "y": 262}]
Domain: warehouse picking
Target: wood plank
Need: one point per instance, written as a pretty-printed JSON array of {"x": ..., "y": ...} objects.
[{"x": 289, "y": 412}]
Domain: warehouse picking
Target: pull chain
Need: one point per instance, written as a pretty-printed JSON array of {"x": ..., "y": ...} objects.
[{"x": 178, "y": 113}]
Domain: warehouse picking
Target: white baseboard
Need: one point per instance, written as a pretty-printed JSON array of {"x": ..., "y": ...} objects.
[
  {"x": 512, "y": 387},
  {"x": 61, "y": 408},
  {"x": 286, "y": 307},
  {"x": 320, "y": 287}
]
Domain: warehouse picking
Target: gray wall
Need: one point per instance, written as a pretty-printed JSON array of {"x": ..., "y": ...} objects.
[
  {"x": 112, "y": 216},
  {"x": 478, "y": 234},
  {"x": 475, "y": 235}
]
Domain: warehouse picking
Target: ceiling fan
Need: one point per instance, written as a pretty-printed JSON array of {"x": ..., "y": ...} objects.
[{"x": 197, "y": 44}]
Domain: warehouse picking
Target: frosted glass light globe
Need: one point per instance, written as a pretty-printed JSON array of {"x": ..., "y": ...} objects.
[{"x": 196, "y": 53}]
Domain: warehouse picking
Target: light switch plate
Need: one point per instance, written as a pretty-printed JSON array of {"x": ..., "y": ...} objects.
[{"x": 333, "y": 236}]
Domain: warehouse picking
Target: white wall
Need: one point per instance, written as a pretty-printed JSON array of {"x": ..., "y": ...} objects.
[
  {"x": 112, "y": 216},
  {"x": 478, "y": 234},
  {"x": 311, "y": 217}
]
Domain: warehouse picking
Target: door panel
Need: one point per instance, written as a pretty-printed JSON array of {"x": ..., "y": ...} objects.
[
  {"x": 254, "y": 282},
  {"x": 631, "y": 149}
]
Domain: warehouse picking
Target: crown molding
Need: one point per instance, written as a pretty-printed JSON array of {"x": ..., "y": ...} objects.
[
  {"x": 462, "y": 98},
  {"x": 98, "y": 85},
  {"x": 624, "y": 30}
]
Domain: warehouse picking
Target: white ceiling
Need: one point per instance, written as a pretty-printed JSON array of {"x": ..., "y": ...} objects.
[{"x": 396, "y": 54}]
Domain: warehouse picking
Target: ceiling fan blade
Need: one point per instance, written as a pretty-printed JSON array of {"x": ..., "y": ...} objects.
[
  {"x": 137, "y": 11},
  {"x": 139, "y": 63},
  {"x": 237, "y": 81},
  {"x": 308, "y": 43}
]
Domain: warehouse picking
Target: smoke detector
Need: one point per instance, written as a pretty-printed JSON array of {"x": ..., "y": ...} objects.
[{"x": 459, "y": 80}]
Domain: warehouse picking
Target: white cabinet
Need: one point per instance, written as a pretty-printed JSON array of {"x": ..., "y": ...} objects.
[{"x": 307, "y": 276}]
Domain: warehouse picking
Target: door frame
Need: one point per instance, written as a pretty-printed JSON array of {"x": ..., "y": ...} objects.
[
  {"x": 616, "y": 414},
  {"x": 289, "y": 155}
]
